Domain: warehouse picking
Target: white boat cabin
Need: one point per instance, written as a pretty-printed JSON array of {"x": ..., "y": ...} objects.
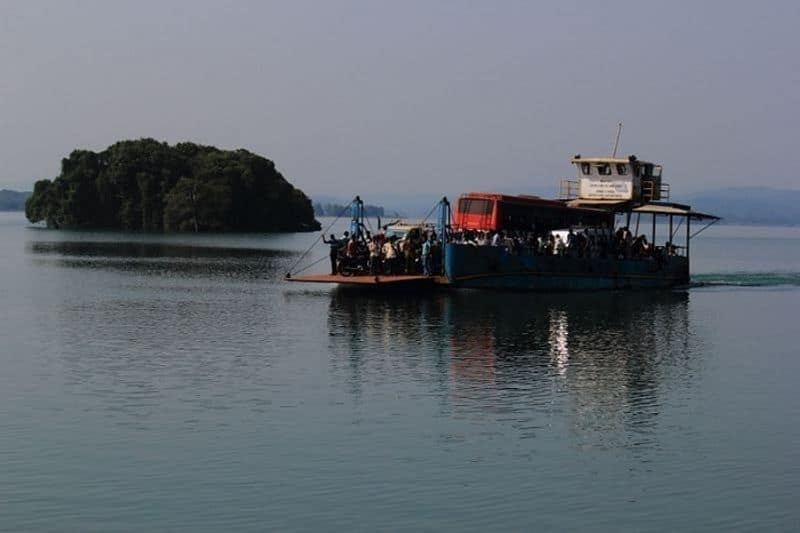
[{"x": 620, "y": 179}]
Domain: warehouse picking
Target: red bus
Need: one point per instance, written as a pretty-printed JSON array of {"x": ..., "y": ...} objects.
[{"x": 495, "y": 212}]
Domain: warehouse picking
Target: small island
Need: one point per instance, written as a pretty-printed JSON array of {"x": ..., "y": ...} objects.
[{"x": 147, "y": 185}]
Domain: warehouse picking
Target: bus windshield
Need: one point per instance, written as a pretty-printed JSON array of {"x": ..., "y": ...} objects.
[{"x": 475, "y": 206}]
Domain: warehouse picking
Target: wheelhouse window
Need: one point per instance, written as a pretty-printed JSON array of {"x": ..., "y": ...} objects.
[
  {"x": 586, "y": 169},
  {"x": 622, "y": 169},
  {"x": 475, "y": 206},
  {"x": 604, "y": 169}
]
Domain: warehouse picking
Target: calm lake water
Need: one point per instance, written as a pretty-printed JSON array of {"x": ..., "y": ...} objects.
[{"x": 177, "y": 383}]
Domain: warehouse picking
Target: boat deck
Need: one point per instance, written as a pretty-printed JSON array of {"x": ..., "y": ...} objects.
[{"x": 371, "y": 281}]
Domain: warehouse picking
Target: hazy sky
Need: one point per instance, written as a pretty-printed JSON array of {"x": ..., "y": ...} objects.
[{"x": 410, "y": 97}]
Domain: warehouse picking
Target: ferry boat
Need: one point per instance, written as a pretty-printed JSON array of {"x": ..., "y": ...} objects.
[{"x": 611, "y": 228}]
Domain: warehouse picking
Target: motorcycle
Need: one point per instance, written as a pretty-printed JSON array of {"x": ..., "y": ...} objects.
[{"x": 357, "y": 265}]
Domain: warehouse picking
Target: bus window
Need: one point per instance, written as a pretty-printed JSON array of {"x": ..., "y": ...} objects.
[{"x": 475, "y": 206}]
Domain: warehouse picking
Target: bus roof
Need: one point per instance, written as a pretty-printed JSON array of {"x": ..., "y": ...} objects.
[
  {"x": 521, "y": 198},
  {"x": 529, "y": 200}
]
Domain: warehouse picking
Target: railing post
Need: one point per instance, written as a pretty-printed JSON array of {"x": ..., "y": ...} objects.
[
  {"x": 670, "y": 230},
  {"x": 443, "y": 222},
  {"x": 688, "y": 235},
  {"x": 654, "y": 230}
]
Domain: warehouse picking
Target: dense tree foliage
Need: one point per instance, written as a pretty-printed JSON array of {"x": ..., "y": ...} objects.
[
  {"x": 335, "y": 210},
  {"x": 151, "y": 186}
]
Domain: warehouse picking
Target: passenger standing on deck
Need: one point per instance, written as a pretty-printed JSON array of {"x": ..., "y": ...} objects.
[
  {"x": 380, "y": 238},
  {"x": 571, "y": 242},
  {"x": 350, "y": 248},
  {"x": 334, "y": 251},
  {"x": 374, "y": 255},
  {"x": 560, "y": 247},
  {"x": 407, "y": 252},
  {"x": 389, "y": 257},
  {"x": 436, "y": 255},
  {"x": 426, "y": 256}
]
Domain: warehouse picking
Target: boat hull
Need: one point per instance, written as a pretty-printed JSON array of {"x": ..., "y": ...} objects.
[{"x": 487, "y": 267}]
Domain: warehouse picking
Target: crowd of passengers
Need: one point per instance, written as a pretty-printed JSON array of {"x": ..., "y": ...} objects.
[
  {"x": 416, "y": 253},
  {"x": 592, "y": 243}
]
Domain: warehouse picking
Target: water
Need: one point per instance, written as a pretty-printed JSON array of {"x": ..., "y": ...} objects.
[{"x": 177, "y": 383}]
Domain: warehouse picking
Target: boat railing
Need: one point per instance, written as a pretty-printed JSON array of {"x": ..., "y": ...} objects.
[
  {"x": 570, "y": 189},
  {"x": 654, "y": 190}
]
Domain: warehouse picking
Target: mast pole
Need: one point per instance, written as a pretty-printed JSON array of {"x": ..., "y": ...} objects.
[
  {"x": 444, "y": 219},
  {"x": 356, "y": 217},
  {"x": 654, "y": 230},
  {"x": 616, "y": 141},
  {"x": 670, "y": 229}
]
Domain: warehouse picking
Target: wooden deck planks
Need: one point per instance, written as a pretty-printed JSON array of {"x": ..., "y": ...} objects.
[{"x": 374, "y": 281}]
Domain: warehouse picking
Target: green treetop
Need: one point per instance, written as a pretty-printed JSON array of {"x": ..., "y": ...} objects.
[{"x": 146, "y": 185}]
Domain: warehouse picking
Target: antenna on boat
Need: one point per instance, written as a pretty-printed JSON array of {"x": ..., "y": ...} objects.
[{"x": 616, "y": 141}]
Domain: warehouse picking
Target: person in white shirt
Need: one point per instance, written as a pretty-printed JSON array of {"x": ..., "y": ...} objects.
[
  {"x": 389, "y": 257},
  {"x": 561, "y": 246},
  {"x": 374, "y": 256}
]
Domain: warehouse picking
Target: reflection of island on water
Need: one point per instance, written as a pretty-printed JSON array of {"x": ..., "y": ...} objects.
[
  {"x": 160, "y": 258},
  {"x": 606, "y": 356}
]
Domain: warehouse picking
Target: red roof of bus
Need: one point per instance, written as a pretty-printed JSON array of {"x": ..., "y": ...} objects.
[{"x": 525, "y": 200}]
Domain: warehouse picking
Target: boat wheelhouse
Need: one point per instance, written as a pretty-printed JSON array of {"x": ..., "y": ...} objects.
[{"x": 609, "y": 179}]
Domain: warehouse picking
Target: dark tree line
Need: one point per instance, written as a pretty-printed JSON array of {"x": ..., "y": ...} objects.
[
  {"x": 334, "y": 210},
  {"x": 146, "y": 185}
]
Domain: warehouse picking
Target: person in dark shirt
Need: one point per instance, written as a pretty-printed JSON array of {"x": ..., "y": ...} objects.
[{"x": 334, "y": 252}]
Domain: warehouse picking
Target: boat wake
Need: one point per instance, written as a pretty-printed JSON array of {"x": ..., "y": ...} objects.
[{"x": 747, "y": 279}]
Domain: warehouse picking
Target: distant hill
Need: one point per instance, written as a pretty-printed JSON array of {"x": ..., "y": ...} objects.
[
  {"x": 749, "y": 205},
  {"x": 13, "y": 200}
]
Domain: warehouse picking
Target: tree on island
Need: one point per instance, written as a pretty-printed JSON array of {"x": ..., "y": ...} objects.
[
  {"x": 335, "y": 209},
  {"x": 146, "y": 185}
]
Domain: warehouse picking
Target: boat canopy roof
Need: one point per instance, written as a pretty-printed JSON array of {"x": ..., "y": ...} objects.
[
  {"x": 665, "y": 208},
  {"x": 589, "y": 202},
  {"x": 658, "y": 208}
]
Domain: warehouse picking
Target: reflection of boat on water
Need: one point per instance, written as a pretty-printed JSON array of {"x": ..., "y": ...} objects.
[
  {"x": 588, "y": 239},
  {"x": 548, "y": 331},
  {"x": 605, "y": 355}
]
